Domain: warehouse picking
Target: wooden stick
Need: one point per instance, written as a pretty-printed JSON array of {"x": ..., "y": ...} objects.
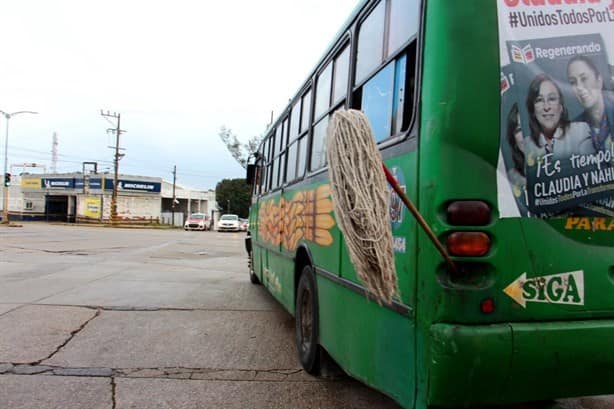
[{"x": 442, "y": 250}]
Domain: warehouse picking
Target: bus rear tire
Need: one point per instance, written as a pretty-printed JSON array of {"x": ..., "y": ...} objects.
[{"x": 307, "y": 322}]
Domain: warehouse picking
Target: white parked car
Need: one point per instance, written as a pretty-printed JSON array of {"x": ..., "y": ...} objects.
[
  {"x": 229, "y": 222},
  {"x": 197, "y": 221}
]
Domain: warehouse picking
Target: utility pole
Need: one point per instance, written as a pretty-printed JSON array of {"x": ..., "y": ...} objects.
[
  {"x": 7, "y": 175},
  {"x": 173, "y": 202},
  {"x": 86, "y": 176},
  {"x": 117, "y": 131}
]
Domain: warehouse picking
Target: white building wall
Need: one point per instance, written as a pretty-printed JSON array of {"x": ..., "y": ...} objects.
[
  {"x": 15, "y": 196},
  {"x": 34, "y": 203},
  {"x": 133, "y": 207}
]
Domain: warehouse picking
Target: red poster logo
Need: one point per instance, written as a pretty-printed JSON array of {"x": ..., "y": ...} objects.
[{"x": 505, "y": 84}]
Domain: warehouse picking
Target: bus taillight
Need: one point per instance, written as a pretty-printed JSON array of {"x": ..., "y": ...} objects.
[
  {"x": 468, "y": 243},
  {"x": 468, "y": 213}
]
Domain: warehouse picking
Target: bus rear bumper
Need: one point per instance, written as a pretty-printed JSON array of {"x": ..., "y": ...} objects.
[{"x": 519, "y": 362}]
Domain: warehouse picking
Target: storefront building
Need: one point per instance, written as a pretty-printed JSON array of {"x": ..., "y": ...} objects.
[{"x": 74, "y": 197}]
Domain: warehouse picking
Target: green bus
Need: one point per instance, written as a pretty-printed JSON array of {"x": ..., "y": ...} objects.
[{"x": 496, "y": 118}]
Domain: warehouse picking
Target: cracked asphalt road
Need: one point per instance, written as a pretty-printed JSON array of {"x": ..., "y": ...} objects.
[{"x": 107, "y": 318}]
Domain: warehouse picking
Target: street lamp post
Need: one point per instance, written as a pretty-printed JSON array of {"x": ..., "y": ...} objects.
[{"x": 7, "y": 116}]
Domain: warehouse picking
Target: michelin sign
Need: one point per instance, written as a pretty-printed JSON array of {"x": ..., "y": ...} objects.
[{"x": 134, "y": 186}]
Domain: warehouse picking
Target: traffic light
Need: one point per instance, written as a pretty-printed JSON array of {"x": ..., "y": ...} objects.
[{"x": 7, "y": 179}]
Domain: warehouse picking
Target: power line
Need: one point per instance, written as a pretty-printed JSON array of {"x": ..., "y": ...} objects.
[
  {"x": 137, "y": 165},
  {"x": 79, "y": 158}
]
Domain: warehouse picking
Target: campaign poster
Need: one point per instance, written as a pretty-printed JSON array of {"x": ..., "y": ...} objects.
[{"x": 557, "y": 108}]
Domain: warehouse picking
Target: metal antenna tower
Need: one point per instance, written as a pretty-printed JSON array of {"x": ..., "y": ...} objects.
[{"x": 54, "y": 153}]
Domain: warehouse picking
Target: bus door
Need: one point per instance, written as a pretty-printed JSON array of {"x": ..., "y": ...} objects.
[{"x": 257, "y": 175}]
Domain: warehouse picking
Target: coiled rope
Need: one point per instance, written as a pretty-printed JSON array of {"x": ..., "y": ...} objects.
[{"x": 361, "y": 201}]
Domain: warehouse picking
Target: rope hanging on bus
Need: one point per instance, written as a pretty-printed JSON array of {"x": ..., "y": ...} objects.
[{"x": 361, "y": 201}]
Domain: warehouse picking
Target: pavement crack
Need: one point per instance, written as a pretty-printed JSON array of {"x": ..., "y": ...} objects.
[
  {"x": 72, "y": 251},
  {"x": 70, "y": 337},
  {"x": 151, "y": 309},
  {"x": 283, "y": 371},
  {"x": 28, "y": 369},
  {"x": 113, "y": 391},
  {"x": 35, "y": 369},
  {"x": 178, "y": 373}
]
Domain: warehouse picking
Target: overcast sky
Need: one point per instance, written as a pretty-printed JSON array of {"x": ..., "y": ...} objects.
[{"x": 176, "y": 71}]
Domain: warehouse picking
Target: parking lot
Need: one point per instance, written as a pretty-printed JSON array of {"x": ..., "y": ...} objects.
[{"x": 94, "y": 317}]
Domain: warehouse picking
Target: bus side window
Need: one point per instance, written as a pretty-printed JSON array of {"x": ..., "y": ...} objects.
[
  {"x": 266, "y": 180},
  {"x": 369, "y": 53},
  {"x": 403, "y": 25},
  {"x": 275, "y": 158},
  {"x": 306, "y": 112},
  {"x": 295, "y": 116},
  {"x": 281, "y": 164},
  {"x": 341, "y": 75},
  {"x": 386, "y": 97},
  {"x": 302, "y": 156},
  {"x": 331, "y": 92},
  {"x": 323, "y": 87},
  {"x": 318, "y": 145},
  {"x": 283, "y": 152},
  {"x": 322, "y": 105},
  {"x": 376, "y": 102},
  {"x": 291, "y": 170},
  {"x": 302, "y": 142}
]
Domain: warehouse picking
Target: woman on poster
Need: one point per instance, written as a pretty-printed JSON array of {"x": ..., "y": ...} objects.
[
  {"x": 587, "y": 84},
  {"x": 515, "y": 139},
  {"x": 551, "y": 130}
]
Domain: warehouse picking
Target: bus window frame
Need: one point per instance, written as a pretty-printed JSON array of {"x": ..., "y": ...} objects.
[
  {"x": 283, "y": 154},
  {"x": 296, "y": 107},
  {"x": 267, "y": 160},
  {"x": 403, "y": 48},
  {"x": 349, "y": 37},
  {"x": 366, "y": 13},
  {"x": 317, "y": 117},
  {"x": 345, "y": 47},
  {"x": 346, "y": 40},
  {"x": 279, "y": 157},
  {"x": 305, "y": 135}
]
